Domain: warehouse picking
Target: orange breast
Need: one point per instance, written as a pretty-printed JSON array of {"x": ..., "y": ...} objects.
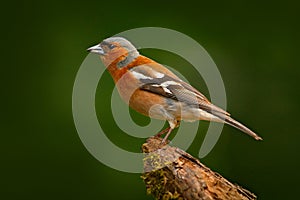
[{"x": 139, "y": 100}]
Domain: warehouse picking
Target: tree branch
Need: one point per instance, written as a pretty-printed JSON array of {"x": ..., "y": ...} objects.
[{"x": 171, "y": 173}]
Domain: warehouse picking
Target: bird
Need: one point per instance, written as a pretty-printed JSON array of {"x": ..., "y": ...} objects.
[{"x": 153, "y": 90}]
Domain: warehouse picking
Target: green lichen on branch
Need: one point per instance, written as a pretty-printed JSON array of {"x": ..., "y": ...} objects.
[
  {"x": 156, "y": 185},
  {"x": 171, "y": 173}
]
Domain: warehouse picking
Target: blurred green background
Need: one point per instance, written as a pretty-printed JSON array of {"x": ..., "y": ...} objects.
[{"x": 255, "y": 46}]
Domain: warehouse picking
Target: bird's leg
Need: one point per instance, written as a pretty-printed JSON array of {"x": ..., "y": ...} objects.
[
  {"x": 162, "y": 132},
  {"x": 173, "y": 124},
  {"x": 167, "y": 135}
]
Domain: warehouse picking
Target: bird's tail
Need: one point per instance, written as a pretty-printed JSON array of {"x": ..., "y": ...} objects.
[{"x": 238, "y": 125}]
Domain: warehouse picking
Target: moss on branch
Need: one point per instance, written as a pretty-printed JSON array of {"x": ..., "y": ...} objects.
[{"x": 171, "y": 173}]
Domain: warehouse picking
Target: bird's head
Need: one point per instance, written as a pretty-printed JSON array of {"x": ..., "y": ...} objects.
[{"x": 115, "y": 50}]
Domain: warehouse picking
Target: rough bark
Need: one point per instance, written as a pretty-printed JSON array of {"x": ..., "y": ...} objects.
[{"x": 171, "y": 173}]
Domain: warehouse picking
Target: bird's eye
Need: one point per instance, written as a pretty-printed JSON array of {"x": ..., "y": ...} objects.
[{"x": 111, "y": 46}]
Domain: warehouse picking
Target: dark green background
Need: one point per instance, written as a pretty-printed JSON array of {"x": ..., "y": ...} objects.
[{"x": 255, "y": 46}]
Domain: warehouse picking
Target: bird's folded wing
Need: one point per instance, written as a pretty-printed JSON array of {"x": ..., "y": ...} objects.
[{"x": 174, "y": 88}]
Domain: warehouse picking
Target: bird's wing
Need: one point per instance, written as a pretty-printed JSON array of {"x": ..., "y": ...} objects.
[{"x": 170, "y": 86}]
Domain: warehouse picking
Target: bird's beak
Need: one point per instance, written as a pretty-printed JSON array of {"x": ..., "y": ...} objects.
[{"x": 96, "y": 49}]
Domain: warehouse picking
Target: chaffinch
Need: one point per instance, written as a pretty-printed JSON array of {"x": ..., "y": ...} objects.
[{"x": 153, "y": 90}]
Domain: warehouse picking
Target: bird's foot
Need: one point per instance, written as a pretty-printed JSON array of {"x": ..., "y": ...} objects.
[
  {"x": 168, "y": 131},
  {"x": 164, "y": 141}
]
